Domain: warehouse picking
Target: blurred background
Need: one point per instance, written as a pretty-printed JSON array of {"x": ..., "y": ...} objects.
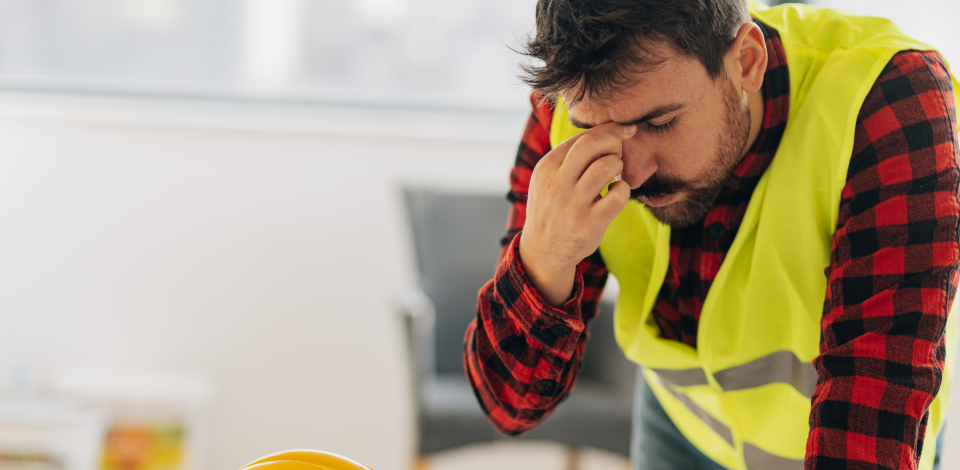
[{"x": 221, "y": 227}]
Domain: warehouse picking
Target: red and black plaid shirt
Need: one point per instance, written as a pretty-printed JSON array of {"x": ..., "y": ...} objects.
[{"x": 891, "y": 279}]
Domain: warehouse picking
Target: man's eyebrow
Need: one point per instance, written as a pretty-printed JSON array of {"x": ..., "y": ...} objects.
[{"x": 653, "y": 113}]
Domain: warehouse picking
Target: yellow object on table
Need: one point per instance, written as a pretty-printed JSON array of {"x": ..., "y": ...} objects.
[{"x": 305, "y": 460}]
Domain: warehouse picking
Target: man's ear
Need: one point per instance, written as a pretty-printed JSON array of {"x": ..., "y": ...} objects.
[{"x": 747, "y": 58}]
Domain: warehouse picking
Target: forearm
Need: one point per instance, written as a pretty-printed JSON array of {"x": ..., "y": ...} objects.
[
  {"x": 522, "y": 352},
  {"x": 521, "y": 355},
  {"x": 871, "y": 404},
  {"x": 892, "y": 275}
]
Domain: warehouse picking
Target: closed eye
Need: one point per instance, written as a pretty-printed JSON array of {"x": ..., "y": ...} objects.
[{"x": 662, "y": 127}]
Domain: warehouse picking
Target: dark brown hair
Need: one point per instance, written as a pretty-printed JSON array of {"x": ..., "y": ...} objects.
[{"x": 593, "y": 47}]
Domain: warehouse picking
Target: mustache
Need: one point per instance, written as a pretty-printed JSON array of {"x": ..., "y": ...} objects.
[{"x": 658, "y": 185}]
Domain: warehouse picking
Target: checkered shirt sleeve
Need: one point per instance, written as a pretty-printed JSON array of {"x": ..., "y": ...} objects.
[
  {"x": 521, "y": 354},
  {"x": 892, "y": 274}
]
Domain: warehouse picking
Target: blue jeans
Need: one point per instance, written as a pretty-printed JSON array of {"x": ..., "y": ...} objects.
[{"x": 657, "y": 444}]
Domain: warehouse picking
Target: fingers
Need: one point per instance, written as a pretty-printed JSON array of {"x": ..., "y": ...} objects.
[
  {"x": 586, "y": 150},
  {"x": 559, "y": 153},
  {"x": 593, "y": 144},
  {"x": 565, "y": 215},
  {"x": 601, "y": 172},
  {"x": 618, "y": 194},
  {"x": 583, "y": 165}
]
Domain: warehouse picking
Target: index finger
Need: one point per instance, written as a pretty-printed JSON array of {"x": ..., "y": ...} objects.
[
  {"x": 623, "y": 131},
  {"x": 593, "y": 144}
]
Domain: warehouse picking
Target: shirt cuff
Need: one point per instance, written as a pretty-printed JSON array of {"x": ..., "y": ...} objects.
[{"x": 556, "y": 328}]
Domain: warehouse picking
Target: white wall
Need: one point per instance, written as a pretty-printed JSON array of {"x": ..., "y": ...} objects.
[{"x": 260, "y": 245}]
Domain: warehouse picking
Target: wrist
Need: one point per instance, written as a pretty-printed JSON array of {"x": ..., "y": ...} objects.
[{"x": 553, "y": 279}]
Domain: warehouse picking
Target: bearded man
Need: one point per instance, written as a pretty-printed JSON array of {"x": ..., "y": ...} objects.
[{"x": 776, "y": 192}]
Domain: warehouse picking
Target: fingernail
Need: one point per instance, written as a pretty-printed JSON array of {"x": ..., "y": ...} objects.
[
  {"x": 629, "y": 129},
  {"x": 617, "y": 178}
]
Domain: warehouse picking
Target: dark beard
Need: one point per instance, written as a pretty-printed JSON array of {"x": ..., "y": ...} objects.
[{"x": 699, "y": 197}]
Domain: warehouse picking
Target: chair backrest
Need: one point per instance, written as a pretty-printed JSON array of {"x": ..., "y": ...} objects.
[{"x": 457, "y": 238}]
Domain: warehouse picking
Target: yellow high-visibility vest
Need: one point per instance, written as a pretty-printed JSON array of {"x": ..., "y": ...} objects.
[{"x": 743, "y": 395}]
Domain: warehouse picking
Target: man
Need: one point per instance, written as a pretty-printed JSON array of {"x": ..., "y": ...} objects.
[{"x": 777, "y": 197}]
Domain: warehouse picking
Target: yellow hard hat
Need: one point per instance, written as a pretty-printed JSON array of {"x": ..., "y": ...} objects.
[{"x": 305, "y": 460}]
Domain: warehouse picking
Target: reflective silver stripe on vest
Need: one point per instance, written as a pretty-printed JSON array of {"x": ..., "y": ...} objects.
[
  {"x": 682, "y": 378},
  {"x": 717, "y": 426},
  {"x": 781, "y": 366},
  {"x": 758, "y": 459}
]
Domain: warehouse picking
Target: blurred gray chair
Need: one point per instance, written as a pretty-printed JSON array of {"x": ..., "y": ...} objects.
[{"x": 457, "y": 244}]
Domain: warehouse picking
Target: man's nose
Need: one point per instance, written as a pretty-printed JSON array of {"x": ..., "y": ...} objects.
[{"x": 639, "y": 161}]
